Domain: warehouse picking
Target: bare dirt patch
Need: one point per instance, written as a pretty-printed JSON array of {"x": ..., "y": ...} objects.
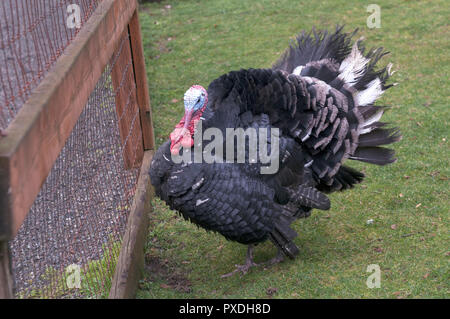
[{"x": 160, "y": 269}]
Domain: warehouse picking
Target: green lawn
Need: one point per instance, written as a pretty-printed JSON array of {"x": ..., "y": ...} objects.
[{"x": 193, "y": 42}]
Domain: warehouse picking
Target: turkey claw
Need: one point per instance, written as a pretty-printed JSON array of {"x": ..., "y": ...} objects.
[{"x": 241, "y": 268}]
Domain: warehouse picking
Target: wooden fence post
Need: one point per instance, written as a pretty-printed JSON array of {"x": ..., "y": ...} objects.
[
  {"x": 6, "y": 279},
  {"x": 128, "y": 112},
  {"x": 143, "y": 96},
  {"x": 131, "y": 258}
]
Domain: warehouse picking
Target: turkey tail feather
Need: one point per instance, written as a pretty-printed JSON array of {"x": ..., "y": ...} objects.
[
  {"x": 314, "y": 47},
  {"x": 282, "y": 235},
  {"x": 378, "y": 137},
  {"x": 346, "y": 123},
  {"x": 374, "y": 155}
]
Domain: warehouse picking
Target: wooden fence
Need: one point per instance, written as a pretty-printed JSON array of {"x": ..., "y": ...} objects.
[{"x": 34, "y": 139}]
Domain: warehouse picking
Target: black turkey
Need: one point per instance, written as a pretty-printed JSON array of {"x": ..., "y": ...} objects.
[{"x": 317, "y": 106}]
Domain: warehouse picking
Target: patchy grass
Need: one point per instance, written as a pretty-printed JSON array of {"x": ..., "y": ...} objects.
[
  {"x": 95, "y": 278},
  {"x": 197, "y": 41}
]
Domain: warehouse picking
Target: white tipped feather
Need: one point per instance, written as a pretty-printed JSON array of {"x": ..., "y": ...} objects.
[
  {"x": 369, "y": 95},
  {"x": 307, "y": 134},
  {"x": 198, "y": 184},
  {"x": 353, "y": 66},
  {"x": 309, "y": 163},
  {"x": 375, "y": 118},
  {"x": 201, "y": 201},
  {"x": 298, "y": 70},
  {"x": 388, "y": 68}
]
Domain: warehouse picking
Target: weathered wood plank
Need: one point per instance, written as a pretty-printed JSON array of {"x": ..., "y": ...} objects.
[
  {"x": 143, "y": 95},
  {"x": 6, "y": 279},
  {"x": 5, "y": 215},
  {"x": 36, "y": 136},
  {"x": 123, "y": 79},
  {"x": 131, "y": 259}
]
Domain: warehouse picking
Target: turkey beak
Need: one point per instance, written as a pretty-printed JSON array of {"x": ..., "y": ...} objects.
[
  {"x": 187, "y": 121},
  {"x": 176, "y": 142},
  {"x": 187, "y": 118}
]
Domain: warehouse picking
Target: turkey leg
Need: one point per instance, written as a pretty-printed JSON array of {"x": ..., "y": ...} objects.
[{"x": 249, "y": 263}]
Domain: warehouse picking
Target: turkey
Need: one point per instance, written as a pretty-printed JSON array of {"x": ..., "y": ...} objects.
[{"x": 313, "y": 110}]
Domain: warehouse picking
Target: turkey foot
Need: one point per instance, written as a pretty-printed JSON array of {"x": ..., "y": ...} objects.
[
  {"x": 249, "y": 263},
  {"x": 275, "y": 260}
]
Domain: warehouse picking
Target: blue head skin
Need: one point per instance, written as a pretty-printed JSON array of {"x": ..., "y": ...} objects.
[{"x": 194, "y": 99}]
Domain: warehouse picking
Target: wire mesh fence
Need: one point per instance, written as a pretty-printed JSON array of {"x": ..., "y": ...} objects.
[
  {"x": 69, "y": 243},
  {"x": 33, "y": 34}
]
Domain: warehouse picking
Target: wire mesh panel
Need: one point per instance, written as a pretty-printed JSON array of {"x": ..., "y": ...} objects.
[
  {"x": 70, "y": 240},
  {"x": 33, "y": 34}
]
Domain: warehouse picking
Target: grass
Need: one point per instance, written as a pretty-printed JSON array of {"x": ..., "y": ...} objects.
[
  {"x": 95, "y": 278},
  {"x": 197, "y": 41}
]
